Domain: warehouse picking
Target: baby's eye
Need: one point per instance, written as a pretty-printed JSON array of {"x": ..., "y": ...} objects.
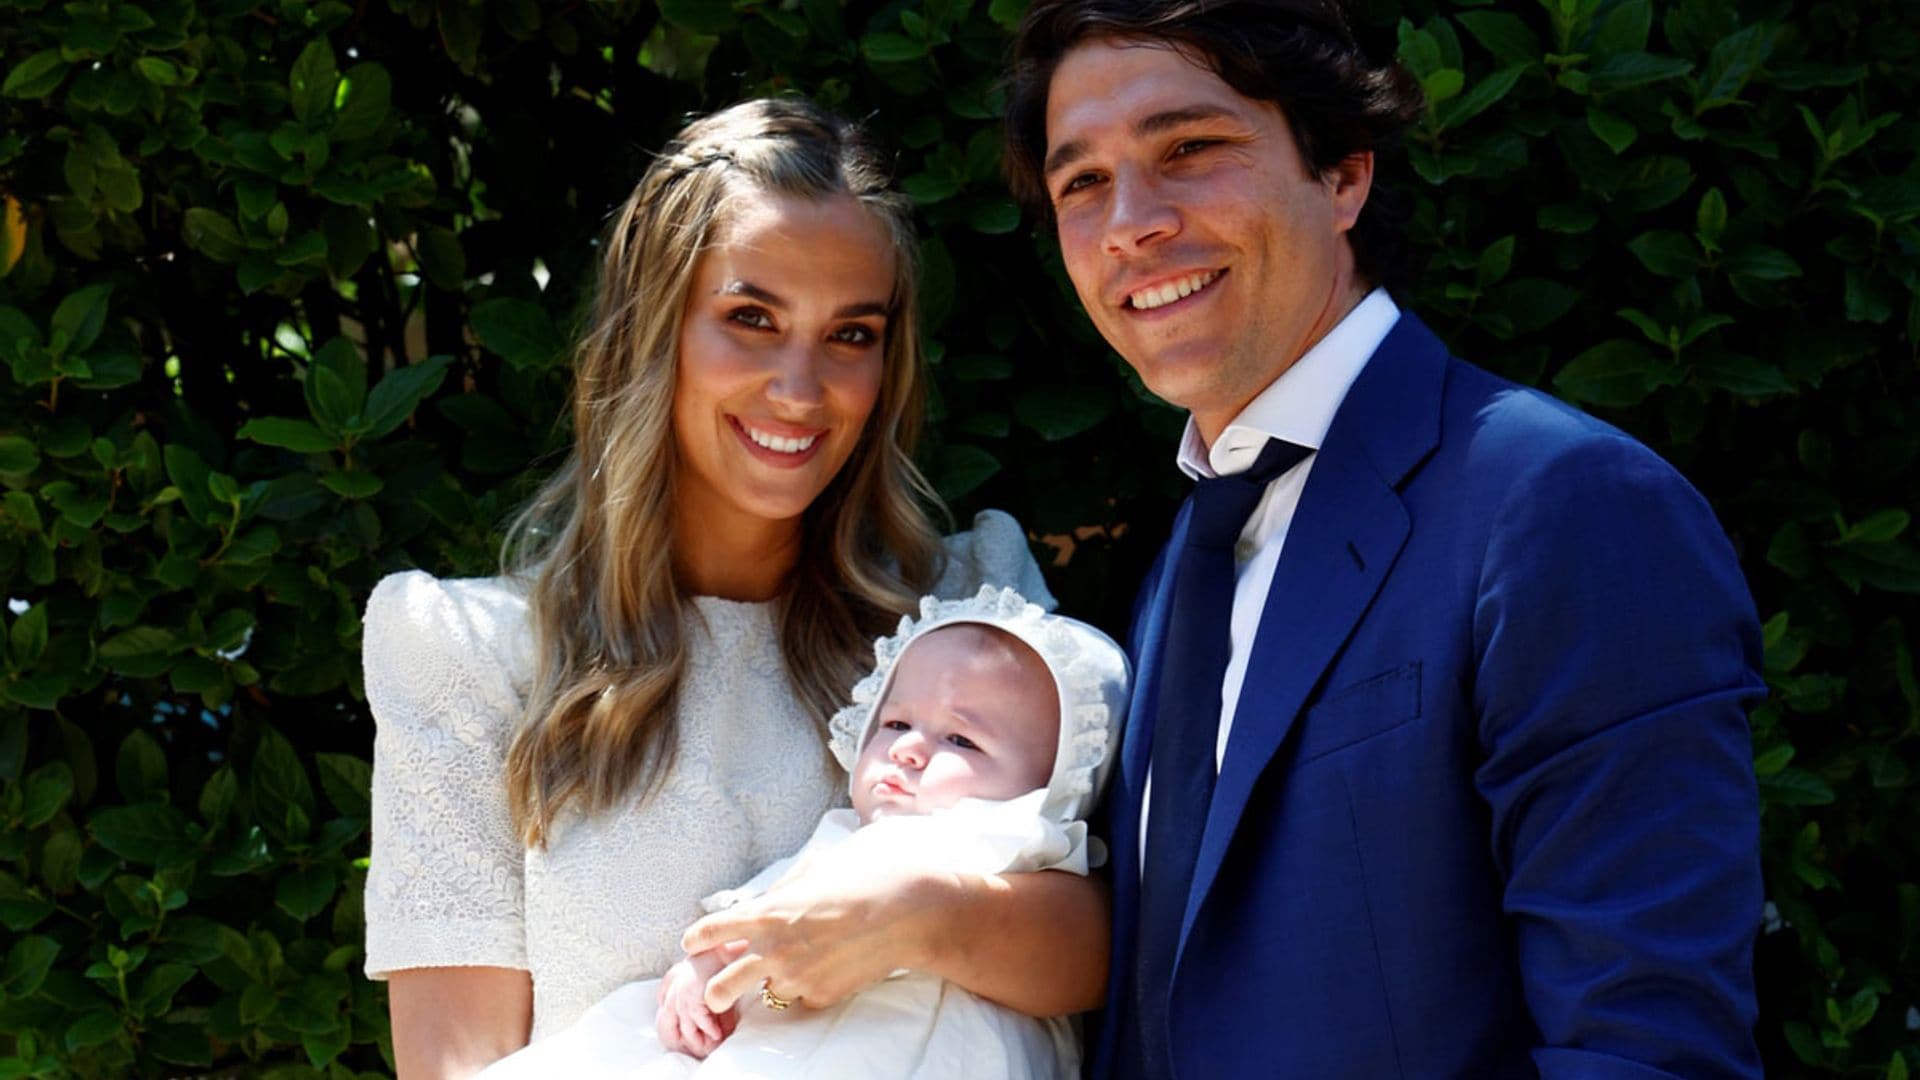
[
  {"x": 754, "y": 317},
  {"x": 963, "y": 742},
  {"x": 893, "y": 725}
]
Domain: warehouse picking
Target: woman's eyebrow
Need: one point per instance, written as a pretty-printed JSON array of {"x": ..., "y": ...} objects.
[{"x": 862, "y": 309}]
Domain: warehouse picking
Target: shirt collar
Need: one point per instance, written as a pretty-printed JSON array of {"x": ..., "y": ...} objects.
[{"x": 1299, "y": 405}]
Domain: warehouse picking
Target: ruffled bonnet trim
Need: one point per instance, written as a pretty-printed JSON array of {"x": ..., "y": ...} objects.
[{"x": 1089, "y": 671}]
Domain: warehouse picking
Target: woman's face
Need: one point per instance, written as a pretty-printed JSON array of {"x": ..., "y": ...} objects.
[{"x": 780, "y": 357}]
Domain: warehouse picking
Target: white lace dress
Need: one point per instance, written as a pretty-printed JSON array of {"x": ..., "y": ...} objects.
[{"x": 447, "y": 668}]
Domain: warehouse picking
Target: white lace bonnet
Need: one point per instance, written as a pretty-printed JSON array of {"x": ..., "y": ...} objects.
[{"x": 1089, "y": 673}]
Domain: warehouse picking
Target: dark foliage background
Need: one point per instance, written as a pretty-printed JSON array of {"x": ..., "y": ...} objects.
[{"x": 286, "y": 299}]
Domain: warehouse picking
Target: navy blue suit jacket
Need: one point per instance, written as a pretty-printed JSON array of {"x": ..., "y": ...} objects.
[{"x": 1488, "y": 806}]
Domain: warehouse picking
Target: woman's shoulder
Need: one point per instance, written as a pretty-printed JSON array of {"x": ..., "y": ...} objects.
[
  {"x": 425, "y": 637},
  {"x": 994, "y": 551}
]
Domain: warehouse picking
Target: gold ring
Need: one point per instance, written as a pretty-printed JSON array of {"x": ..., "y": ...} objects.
[{"x": 772, "y": 1000}]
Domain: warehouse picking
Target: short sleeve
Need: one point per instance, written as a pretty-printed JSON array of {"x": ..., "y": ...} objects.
[
  {"x": 445, "y": 666},
  {"x": 993, "y": 552}
]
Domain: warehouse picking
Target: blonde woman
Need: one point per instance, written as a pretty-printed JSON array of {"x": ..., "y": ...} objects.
[{"x": 632, "y": 717}]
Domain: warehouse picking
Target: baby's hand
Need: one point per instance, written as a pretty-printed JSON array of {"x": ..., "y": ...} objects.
[{"x": 683, "y": 1020}]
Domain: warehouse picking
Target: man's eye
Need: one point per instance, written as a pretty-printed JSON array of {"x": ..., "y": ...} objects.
[
  {"x": 1193, "y": 146},
  {"x": 753, "y": 317},
  {"x": 1079, "y": 183}
]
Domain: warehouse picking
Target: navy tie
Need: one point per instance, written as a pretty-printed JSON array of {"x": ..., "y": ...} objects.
[{"x": 1186, "y": 731}]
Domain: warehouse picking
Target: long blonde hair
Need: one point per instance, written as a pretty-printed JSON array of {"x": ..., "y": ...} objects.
[{"x": 596, "y": 543}]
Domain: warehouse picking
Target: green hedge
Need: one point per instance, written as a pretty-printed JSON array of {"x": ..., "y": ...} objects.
[{"x": 285, "y": 306}]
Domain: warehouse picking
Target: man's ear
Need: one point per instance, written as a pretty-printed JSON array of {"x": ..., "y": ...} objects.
[{"x": 1348, "y": 183}]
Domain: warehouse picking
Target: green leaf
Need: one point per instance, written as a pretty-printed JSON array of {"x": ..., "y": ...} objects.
[
  {"x": 137, "y": 641},
  {"x": 883, "y": 48},
  {"x": 217, "y": 796},
  {"x": 179, "y": 1044},
  {"x": 48, "y": 789},
  {"x": 211, "y": 234},
  {"x": 27, "y": 964},
  {"x": 1710, "y": 221},
  {"x": 152, "y": 834},
  {"x": 279, "y": 783},
  {"x": 28, "y": 638},
  {"x": 36, "y": 76},
  {"x": 141, "y": 769},
  {"x": 1625, "y": 29},
  {"x": 312, "y": 81},
  {"x": 1614, "y": 373},
  {"x": 18, "y": 455},
  {"x": 1609, "y": 128},
  {"x": 397, "y": 395},
  {"x": 1494, "y": 262},
  {"x": 1629, "y": 69},
  {"x": 297, "y": 435},
  {"x": 92, "y": 1029},
  {"x": 1772, "y": 761},
  {"x": 1794, "y": 787},
  {"x": 1877, "y": 528},
  {"x": 81, "y": 317},
  {"x": 1666, "y": 252},
  {"x": 1057, "y": 412},
  {"x": 365, "y": 99},
  {"x": 1443, "y": 85},
  {"x": 519, "y": 331},
  {"x": 336, "y": 387},
  {"x": 441, "y": 258},
  {"x": 699, "y": 16},
  {"x": 1506, "y": 36},
  {"x": 1734, "y": 60},
  {"x": 304, "y": 890},
  {"x": 348, "y": 782},
  {"x": 1485, "y": 94},
  {"x": 1008, "y": 13},
  {"x": 994, "y": 218},
  {"x": 1761, "y": 262},
  {"x": 962, "y": 468},
  {"x": 159, "y": 71},
  {"x": 352, "y": 485}
]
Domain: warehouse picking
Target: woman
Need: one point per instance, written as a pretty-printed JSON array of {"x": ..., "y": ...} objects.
[{"x": 571, "y": 755}]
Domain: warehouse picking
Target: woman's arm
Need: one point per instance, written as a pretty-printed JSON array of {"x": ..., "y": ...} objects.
[
  {"x": 451, "y": 1022},
  {"x": 1036, "y": 943}
]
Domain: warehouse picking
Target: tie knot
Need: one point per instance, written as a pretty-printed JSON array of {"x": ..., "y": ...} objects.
[{"x": 1221, "y": 504}]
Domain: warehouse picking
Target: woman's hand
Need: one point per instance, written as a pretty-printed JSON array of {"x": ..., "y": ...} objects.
[
  {"x": 839, "y": 928},
  {"x": 684, "y": 1022},
  {"x": 819, "y": 938}
]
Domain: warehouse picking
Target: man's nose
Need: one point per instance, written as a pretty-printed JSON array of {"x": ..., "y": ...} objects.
[
  {"x": 796, "y": 376},
  {"x": 1139, "y": 214}
]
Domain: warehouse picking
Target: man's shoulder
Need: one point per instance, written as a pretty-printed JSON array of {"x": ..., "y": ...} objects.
[{"x": 1494, "y": 423}]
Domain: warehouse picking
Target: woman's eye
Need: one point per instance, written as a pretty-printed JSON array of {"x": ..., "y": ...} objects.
[
  {"x": 963, "y": 742},
  {"x": 855, "y": 335},
  {"x": 752, "y": 317}
]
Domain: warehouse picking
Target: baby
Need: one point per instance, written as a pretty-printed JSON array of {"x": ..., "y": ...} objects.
[{"x": 977, "y": 745}]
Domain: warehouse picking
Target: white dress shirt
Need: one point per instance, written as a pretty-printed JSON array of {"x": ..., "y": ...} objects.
[{"x": 1298, "y": 407}]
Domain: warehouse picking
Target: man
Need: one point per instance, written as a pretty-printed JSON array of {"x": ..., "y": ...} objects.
[{"x": 1437, "y": 763}]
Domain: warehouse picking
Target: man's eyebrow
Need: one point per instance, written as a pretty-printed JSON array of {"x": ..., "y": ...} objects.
[
  {"x": 1152, "y": 124},
  {"x": 862, "y": 309}
]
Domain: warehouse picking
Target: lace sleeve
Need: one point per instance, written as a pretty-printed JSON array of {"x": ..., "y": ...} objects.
[
  {"x": 993, "y": 552},
  {"x": 444, "y": 887}
]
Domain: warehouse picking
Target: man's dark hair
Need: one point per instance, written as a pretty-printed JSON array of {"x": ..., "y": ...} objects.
[{"x": 1301, "y": 55}]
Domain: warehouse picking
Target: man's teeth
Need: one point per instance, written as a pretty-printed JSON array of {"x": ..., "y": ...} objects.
[
  {"x": 778, "y": 444},
  {"x": 1148, "y": 299}
]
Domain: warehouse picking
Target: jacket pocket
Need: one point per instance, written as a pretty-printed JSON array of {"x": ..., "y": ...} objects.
[{"x": 1356, "y": 713}]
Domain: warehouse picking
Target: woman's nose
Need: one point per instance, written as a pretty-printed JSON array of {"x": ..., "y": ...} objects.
[{"x": 796, "y": 377}]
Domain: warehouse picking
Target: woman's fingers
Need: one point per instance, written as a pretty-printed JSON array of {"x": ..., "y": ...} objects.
[{"x": 736, "y": 980}]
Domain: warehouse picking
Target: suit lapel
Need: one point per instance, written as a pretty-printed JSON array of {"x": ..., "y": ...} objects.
[{"x": 1346, "y": 533}]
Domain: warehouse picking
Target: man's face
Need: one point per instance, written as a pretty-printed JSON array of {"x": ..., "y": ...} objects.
[{"x": 1200, "y": 245}]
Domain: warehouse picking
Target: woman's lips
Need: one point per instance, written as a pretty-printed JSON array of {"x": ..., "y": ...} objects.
[{"x": 776, "y": 455}]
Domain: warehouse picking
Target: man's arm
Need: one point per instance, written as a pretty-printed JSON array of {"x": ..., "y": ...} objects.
[
  {"x": 1617, "y": 657},
  {"x": 1036, "y": 943}
]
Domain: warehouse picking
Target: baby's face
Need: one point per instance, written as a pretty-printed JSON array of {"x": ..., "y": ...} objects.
[{"x": 972, "y": 713}]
